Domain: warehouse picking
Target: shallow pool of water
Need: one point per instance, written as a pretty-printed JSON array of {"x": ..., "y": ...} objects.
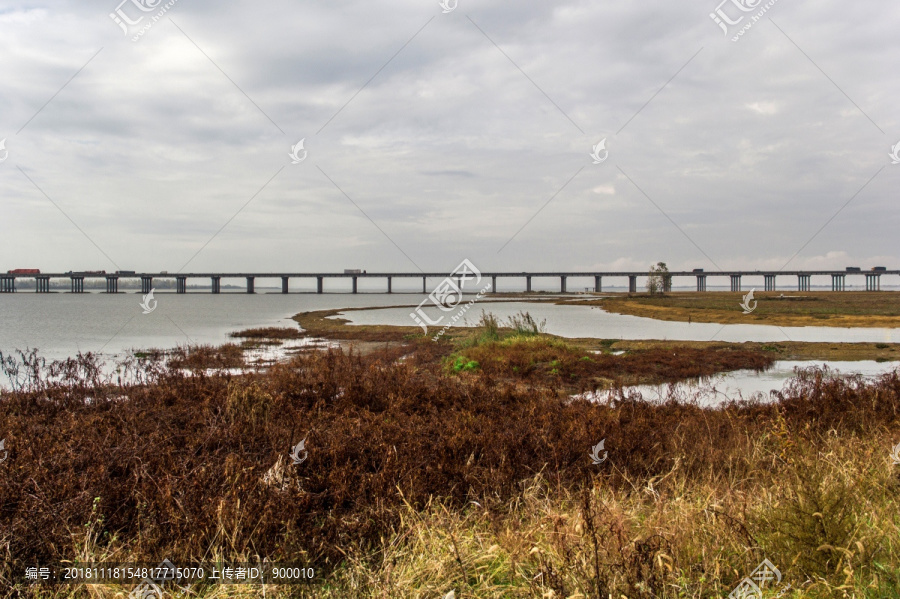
[
  {"x": 591, "y": 321},
  {"x": 743, "y": 384}
]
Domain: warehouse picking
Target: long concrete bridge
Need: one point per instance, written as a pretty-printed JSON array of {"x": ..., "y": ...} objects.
[{"x": 838, "y": 279}]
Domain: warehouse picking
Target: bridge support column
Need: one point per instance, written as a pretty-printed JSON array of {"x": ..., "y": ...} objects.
[
  {"x": 735, "y": 282},
  {"x": 562, "y": 284},
  {"x": 284, "y": 284},
  {"x": 423, "y": 285},
  {"x": 769, "y": 282},
  {"x": 180, "y": 284},
  {"x": 112, "y": 284},
  {"x": 598, "y": 283},
  {"x": 528, "y": 284},
  {"x": 632, "y": 283},
  {"x": 873, "y": 282},
  {"x": 493, "y": 284},
  {"x": 838, "y": 282},
  {"x": 667, "y": 283},
  {"x": 251, "y": 284},
  {"x": 77, "y": 284},
  {"x": 803, "y": 282},
  {"x": 7, "y": 284},
  {"x": 146, "y": 284},
  {"x": 216, "y": 284},
  {"x": 701, "y": 282},
  {"x": 354, "y": 284},
  {"x": 42, "y": 284},
  {"x": 390, "y": 285},
  {"x": 319, "y": 284}
]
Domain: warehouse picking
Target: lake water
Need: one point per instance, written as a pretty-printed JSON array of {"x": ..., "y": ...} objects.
[
  {"x": 590, "y": 321},
  {"x": 61, "y": 324}
]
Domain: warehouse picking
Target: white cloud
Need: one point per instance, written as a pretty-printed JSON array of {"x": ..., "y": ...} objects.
[{"x": 449, "y": 148}]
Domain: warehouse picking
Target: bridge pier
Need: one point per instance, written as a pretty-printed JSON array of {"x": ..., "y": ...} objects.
[
  {"x": 354, "y": 284},
  {"x": 112, "y": 284},
  {"x": 701, "y": 282},
  {"x": 423, "y": 286},
  {"x": 284, "y": 284},
  {"x": 146, "y": 284},
  {"x": 667, "y": 284},
  {"x": 180, "y": 284},
  {"x": 598, "y": 283},
  {"x": 735, "y": 282},
  {"x": 216, "y": 284},
  {"x": 390, "y": 285},
  {"x": 493, "y": 284},
  {"x": 319, "y": 284},
  {"x": 251, "y": 284},
  {"x": 632, "y": 283},
  {"x": 7, "y": 284},
  {"x": 803, "y": 282},
  {"x": 528, "y": 284},
  {"x": 562, "y": 284},
  {"x": 77, "y": 284},
  {"x": 873, "y": 281},
  {"x": 42, "y": 284},
  {"x": 769, "y": 282},
  {"x": 838, "y": 282}
]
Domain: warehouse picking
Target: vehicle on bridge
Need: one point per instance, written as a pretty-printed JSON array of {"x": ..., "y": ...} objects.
[
  {"x": 854, "y": 269},
  {"x": 24, "y": 271},
  {"x": 126, "y": 272},
  {"x": 879, "y": 268}
]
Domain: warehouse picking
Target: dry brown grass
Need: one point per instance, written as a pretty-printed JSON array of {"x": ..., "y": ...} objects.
[{"x": 689, "y": 500}]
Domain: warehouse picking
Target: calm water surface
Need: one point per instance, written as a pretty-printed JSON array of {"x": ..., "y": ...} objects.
[
  {"x": 61, "y": 324},
  {"x": 590, "y": 321},
  {"x": 746, "y": 384}
]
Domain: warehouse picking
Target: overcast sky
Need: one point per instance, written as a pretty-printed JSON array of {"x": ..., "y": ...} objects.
[{"x": 434, "y": 137}]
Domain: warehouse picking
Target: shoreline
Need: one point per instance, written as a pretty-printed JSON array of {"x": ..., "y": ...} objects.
[{"x": 319, "y": 324}]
